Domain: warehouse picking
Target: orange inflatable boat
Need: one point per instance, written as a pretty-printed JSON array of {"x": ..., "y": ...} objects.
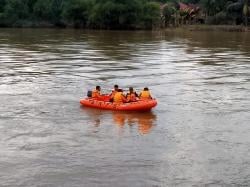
[{"x": 140, "y": 105}]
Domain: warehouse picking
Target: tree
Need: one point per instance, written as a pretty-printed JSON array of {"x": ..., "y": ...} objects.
[
  {"x": 77, "y": 12},
  {"x": 16, "y": 10},
  {"x": 2, "y": 19},
  {"x": 56, "y": 11},
  {"x": 234, "y": 11},
  {"x": 151, "y": 15},
  {"x": 42, "y": 10},
  {"x": 213, "y": 6},
  {"x": 31, "y": 4},
  {"x": 116, "y": 14},
  {"x": 168, "y": 13},
  {"x": 2, "y": 5},
  {"x": 245, "y": 11}
]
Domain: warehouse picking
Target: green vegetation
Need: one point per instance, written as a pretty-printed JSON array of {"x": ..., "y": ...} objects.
[
  {"x": 99, "y": 14},
  {"x": 227, "y": 12},
  {"x": 120, "y": 14}
]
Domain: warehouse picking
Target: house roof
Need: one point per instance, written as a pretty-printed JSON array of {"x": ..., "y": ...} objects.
[{"x": 190, "y": 8}]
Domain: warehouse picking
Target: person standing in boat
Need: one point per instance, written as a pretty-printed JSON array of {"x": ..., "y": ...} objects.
[
  {"x": 131, "y": 95},
  {"x": 119, "y": 97},
  {"x": 114, "y": 91},
  {"x": 145, "y": 94}
]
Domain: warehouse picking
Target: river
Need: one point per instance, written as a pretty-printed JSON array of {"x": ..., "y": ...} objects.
[{"x": 198, "y": 135}]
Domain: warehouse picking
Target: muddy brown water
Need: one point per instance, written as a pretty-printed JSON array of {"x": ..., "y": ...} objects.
[{"x": 198, "y": 135}]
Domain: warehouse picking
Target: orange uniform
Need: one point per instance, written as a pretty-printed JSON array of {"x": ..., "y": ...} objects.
[
  {"x": 131, "y": 97},
  {"x": 112, "y": 95},
  {"x": 96, "y": 94},
  {"x": 145, "y": 95},
  {"x": 119, "y": 98}
]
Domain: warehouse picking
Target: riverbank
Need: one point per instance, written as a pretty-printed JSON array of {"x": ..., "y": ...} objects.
[{"x": 227, "y": 28}]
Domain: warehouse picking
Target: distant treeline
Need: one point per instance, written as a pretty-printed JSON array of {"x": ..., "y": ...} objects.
[
  {"x": 98, "y": 14},
  {"x": 115, "y": 14}
]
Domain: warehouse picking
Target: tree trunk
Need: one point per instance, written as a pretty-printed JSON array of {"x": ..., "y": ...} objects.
[{"x": 245, "y": 11}]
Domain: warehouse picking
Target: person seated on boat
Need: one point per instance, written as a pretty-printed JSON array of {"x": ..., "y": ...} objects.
[
  {"x": 97, "y": 92},
  {"x": 114, "y": 91},
  {"x": 145, "y": 94},
  {"x": 119, "y": 97},
  {"x": 131, "y": 95}
]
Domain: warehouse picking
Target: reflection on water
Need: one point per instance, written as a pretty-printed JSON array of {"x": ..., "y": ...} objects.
[
  {"x": 198, "y": 135},
  {"x": 143, "y": 121}
]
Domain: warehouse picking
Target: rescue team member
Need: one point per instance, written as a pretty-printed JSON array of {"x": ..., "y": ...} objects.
[
  {"x": 145, "y": 94},
  {"x": 132, "y": 95},
  {"x": 114, "y": 91},
  {"x": 97, "y": 92},
  {"x": 119, "y": 97}
]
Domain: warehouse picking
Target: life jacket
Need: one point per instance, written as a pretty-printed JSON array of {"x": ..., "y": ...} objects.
[
  {"x": 145, "y": 95},
  {"x": 96, "y": 93},
  {"x": 119, "y": 97},
  {"x": 131, "y": 97},
  {"x": 113, "y": 94}
]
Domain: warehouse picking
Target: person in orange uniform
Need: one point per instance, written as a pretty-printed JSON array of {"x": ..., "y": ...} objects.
[
  {"x": 132, "y": 95},
  {"x": 145, "y": 94},
  {"x": 97, "y": 92},
  {"x": 116, "y": 87},
  {"x": 119, "y": 97}
]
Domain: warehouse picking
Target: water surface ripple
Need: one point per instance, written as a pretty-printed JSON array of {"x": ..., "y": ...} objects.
[{"x": 198, "y": 134}]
